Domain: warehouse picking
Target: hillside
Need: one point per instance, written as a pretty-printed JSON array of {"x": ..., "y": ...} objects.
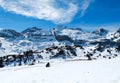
[{"x": 34, "y": 44}]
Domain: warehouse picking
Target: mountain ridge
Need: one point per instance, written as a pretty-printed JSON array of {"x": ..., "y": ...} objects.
[{"x": 35, "y": 44}]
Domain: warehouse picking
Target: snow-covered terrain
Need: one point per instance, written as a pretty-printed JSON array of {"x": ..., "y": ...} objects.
[
  {"x": 89, "y": 57},
  {"x": 32, "y": 45},
  {"x": 96, "y": 71},
  {"x": 12, "y": 42}
]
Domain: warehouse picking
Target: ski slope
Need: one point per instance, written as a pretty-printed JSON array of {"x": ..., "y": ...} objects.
[{"x": 96, "y": 71}]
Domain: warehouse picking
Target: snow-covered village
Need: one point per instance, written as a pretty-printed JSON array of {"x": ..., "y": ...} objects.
[{"x": 57, "y": 41}]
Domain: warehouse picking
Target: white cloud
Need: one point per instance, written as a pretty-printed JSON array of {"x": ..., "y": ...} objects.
[
  {"x": 85, "y": 6},
  {"x": 45, "y": 9}
]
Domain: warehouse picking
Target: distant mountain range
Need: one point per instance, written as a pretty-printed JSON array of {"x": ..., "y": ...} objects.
[
  {"x": 42, "y": 44},
  {"x": 34, "y": 31},
  {"x": 37, "y": 34}
]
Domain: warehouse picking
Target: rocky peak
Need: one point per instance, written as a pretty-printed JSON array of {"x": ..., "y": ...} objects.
[
  {"x": 101, "y": 32},
  {"x": 9, "y": 33}
]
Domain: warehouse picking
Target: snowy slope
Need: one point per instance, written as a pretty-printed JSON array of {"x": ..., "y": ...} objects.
[
  {"x": 95, "y": 61},
  {"x": 98, "y": 71},
  {"x": 79, "y": 34},
  {"x": 9, "y": 33},
  {"x": 87, "y": 45}
]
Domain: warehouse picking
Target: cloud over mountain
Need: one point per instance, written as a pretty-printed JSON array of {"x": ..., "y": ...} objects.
[{"x": 57, "y": 11}]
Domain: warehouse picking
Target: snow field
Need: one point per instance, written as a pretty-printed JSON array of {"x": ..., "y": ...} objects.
[{"x": 97, "y": 71}]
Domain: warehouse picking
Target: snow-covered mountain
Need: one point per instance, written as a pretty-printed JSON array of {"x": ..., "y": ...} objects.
[
  {"x": 9, "y": 33},
  {"x": 101, "y": 32},
  {"x": 34, "y": 44},
  {"x": 36, "y": 32}
]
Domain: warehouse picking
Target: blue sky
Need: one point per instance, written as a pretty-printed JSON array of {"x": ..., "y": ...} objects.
[{"x": 86, "y": 14}]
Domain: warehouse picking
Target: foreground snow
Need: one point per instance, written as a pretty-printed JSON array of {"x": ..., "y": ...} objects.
[{"x": 98, "y": 71}]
